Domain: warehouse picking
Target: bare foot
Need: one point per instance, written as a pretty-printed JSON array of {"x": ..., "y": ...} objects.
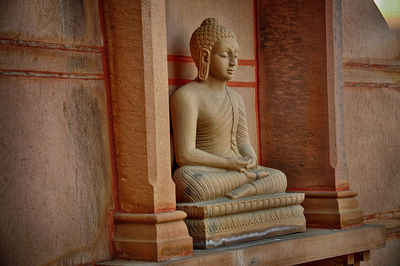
[
  {"x": 242, "y": 191},
  {"x": 262, "y": 174}
]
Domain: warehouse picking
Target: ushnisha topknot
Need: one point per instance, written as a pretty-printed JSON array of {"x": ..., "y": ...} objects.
[{"x": 205, "y": 36}]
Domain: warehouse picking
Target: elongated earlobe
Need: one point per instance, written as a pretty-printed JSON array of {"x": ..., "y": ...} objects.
[{"x": 204, "y": 64}]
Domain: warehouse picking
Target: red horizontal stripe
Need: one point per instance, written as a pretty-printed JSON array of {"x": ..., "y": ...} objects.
[
  {"x": 384, "y": 215},
  {"x": 393, "y": 235},
  {"x": 241, "y": 84},
  {"x": 180, "y": 58},
  {"x": 181, "y": 82},
  {"x": 369, "y": 65},
  {"x": 247, "y": 62},
  {"x": 48, "y": 45},
  {"x": 48, "y": 74},
  {"x": 189, "y": 59},
  {"x": 316, "y": 225},
  {"x": 372, "y": 85}
]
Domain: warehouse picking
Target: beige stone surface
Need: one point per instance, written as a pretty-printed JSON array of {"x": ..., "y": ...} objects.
[
  {"x": 372, "y": 114},
  {"x": 63, "y": 22},
  {"x": 372, "y": 126},
  {"x": 55, "y": 176},
  {"x": 372, "y": 111},
  {"x": 365, "y": 32}
]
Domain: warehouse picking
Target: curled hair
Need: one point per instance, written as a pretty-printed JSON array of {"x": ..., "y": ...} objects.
[{"x": 205, "y": 36}]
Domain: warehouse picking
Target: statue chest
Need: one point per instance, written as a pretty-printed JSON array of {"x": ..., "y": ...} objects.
[{"x": 215, "y": 111}]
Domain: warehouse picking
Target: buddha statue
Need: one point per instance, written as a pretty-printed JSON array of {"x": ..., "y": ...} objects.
[
  {"x": 227, "y": 196},
  {"x": 211, "y": 137}
]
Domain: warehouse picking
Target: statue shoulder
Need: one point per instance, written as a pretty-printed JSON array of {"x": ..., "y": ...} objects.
[
  {"x": 186, "y": 93},
  {"x": 235, "y": 96}
]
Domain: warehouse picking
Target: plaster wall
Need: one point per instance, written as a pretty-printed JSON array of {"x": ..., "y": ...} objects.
[
  {"x": 183, "y": 17},
  {"x": 55, "y": 176},
  {"x": 371, "y": 69}
]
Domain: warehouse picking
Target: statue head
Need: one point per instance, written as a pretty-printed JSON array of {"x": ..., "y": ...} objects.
[{"x": 202, "y": 42}]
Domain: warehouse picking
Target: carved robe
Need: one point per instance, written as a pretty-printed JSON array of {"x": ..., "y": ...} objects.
[{"x": 220, "y": 135}]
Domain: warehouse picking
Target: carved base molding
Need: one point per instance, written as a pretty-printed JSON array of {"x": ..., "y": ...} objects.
[
  {"x": 154, "y": 237},
  {"x": 332, "y": 209},
  {"x": 225, "y": 222}
]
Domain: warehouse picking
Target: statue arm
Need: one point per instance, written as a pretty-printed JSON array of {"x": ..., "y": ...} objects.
[
  {"x": 243, "y": 141},
  {"x": 184, "y": 113}
]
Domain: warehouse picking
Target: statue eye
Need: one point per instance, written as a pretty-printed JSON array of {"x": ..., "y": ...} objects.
[{"x": 223, "y": 55}]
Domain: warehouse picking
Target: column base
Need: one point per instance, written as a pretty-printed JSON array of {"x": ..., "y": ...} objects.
[
  {"x": 152, "y": 237},
  {"x": 332, "y": 209}
]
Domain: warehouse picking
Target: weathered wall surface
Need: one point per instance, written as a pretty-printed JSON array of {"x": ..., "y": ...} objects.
[
  {"x": 55, "y": 176},
  {"x": 183, "y": 17},
  {"x": 372, "y": 119}
]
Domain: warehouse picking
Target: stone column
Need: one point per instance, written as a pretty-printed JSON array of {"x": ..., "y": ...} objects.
[
  {"x": 301, "y": 106},
  {"x": 147, "y": 225}
]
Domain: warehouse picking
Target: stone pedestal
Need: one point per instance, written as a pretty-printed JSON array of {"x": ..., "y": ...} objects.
[
  {"x": 224, "y": 222},
  {"x": 147, "y": 225},
  {"x": 301, "y": 106}
]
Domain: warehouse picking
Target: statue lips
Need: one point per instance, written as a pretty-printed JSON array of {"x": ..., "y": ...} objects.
[{"x": 231, "y": 71}]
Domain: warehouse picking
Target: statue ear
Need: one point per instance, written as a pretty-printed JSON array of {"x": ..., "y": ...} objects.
[{"x": 204, "y": 64}]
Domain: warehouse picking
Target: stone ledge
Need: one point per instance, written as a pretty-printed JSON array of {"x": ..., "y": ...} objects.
[{"x": 312, "y": 245}]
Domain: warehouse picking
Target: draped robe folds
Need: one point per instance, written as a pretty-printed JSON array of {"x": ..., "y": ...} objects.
[{"x": 220, "y": 135}]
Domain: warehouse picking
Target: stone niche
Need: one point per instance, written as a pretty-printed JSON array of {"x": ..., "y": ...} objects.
[
  {"x": 220, "y": 221},
  {"x": 140, "y": 83}
]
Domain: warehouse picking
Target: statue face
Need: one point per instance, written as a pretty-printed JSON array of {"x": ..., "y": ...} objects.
[{"x": 224, "y": 58}]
